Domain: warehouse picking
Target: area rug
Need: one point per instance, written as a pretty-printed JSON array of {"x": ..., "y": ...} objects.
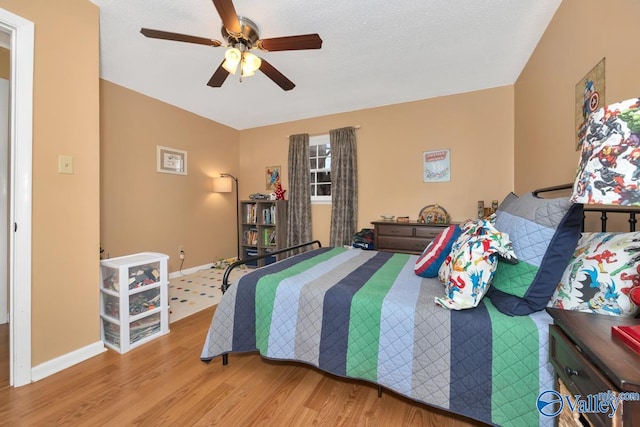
[{"x": 191, "y": 293}]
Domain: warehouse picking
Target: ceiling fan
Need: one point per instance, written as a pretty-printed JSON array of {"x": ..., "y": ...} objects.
[{"x": 242, "y": 35}]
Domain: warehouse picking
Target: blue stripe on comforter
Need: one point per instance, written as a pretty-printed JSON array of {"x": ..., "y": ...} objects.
[
  {"x": 336, "y": 314},
  {"x": 285, "y": 308},
  {"x": 397, "y": 326},
  {"x": 471, "y": 356},
  {"x": 244, "y": 323}
]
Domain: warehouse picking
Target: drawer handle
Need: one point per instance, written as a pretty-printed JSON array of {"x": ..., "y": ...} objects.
[{"x": 570, "y": 372}]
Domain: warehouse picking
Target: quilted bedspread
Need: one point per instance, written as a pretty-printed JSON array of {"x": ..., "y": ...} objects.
[{"x": 366, "y": 315}]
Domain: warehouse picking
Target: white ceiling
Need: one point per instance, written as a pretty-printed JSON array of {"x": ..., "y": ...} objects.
[{"x": 374, "y": 53}]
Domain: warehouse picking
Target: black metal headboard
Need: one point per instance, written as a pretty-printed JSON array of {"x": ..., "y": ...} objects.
[{"x": 606, "y": 212}]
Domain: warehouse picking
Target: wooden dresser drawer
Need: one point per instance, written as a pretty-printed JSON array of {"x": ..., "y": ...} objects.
[
  {"x": 428, "y": 232},
  {"x": 578, "y": 374},
  {"x": 394, "y": 230},
  {"x": 405, "y": 237},
  {"x": 409, "y": 244}
]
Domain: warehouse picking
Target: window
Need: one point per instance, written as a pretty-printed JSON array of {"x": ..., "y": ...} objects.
[{"x": 320, "y": 158}]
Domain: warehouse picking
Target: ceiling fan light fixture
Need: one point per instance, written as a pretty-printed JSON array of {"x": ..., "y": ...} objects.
[
  {"x": 241, "y": 35},
  {"x": 250, "y": 63},
  {"x": 232, "y": 59}
]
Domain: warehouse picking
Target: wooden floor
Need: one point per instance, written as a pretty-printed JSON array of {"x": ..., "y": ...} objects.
[{"x": 164, "y": 383}]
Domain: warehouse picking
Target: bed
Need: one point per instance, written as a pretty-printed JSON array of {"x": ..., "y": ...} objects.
[{"x": 367, "y": 315}]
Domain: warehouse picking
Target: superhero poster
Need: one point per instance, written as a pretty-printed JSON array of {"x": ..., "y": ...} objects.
[
  {"x": 273, "y": 177},
  {"x": 589, "y": 97},
  {"x": 436, "y": 166}
]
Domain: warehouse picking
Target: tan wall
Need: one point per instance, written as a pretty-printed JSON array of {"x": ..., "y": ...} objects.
[
  {"x": 147, "y": 211},
  {"x": 5, "y": 63},
  {"x": 476, "y": 127},
  {"x": 581, "y": 33},
  {"x": 65, "y": 207}
]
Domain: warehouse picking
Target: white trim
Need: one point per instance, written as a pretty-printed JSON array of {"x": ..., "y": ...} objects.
[
  {"x": 191, "y": 270},
  {"x": 21, "y": 140},
  {"x": 65, "y": 361},
  {"x": 321, "y": 200},
  {"x": 5, "y": 90}
]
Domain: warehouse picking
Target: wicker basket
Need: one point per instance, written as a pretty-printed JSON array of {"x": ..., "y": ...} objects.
[{"x": 434, "y": 214}]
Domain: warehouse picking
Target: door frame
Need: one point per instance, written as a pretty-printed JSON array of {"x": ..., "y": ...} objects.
[{"x": 20, "y": 177}]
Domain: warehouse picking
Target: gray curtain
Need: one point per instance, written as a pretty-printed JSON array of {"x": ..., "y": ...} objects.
[
  {"x": 344, "y": 186},
  {"x": 299, "y": 224}
]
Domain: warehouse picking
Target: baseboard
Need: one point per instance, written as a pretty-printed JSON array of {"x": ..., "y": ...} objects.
[
  {"x": 67, "y": 360},
  {"x": 191, "y": 270}
]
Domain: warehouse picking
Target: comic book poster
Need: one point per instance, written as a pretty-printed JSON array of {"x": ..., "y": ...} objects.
[
  {"x": 589, "y": 97},
  {"x": 436, "y": 166},
  {"x": 273, "y": 177}
]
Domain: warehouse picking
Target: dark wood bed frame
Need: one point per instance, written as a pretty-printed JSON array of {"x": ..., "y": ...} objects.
[
  {"x": 604, "y": 211},
  {"x": 225, "y": 278}
]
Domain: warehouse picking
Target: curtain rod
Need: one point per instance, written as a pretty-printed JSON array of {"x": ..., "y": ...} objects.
[{"x": 324, "y": 133}]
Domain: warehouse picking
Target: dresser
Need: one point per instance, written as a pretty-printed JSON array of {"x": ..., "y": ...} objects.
[
  {"x": 406, "y": 237},
  {"x": 588, "y": 361}
]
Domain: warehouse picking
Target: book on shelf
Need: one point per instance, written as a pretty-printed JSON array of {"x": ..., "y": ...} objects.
[
  {"x": 250, "y": 213},
  {"x": 269, "y": 215},
  {"x": 251, "y": 237},
  {"x": 629, "y": 335}
]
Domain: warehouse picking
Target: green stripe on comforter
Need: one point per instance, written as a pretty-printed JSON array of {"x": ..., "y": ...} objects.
[
  {"x": 266, "y": 294},
  {"x": 511, "y": 402},
  {"x": 364, "y": 326}
]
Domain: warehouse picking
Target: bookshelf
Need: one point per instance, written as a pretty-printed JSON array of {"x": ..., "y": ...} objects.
[{"x": 263, "y": 228}]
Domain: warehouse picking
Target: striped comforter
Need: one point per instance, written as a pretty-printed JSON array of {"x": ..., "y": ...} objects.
[{"x": 366, "y": 315}]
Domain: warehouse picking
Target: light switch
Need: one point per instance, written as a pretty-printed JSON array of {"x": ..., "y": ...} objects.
[{"x": 65, "y": 164}]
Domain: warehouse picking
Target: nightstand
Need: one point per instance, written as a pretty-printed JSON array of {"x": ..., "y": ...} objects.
[{"x": 588, "y": 361}]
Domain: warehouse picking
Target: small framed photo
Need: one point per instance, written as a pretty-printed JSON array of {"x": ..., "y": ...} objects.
[{"x": 171, "y": 160}]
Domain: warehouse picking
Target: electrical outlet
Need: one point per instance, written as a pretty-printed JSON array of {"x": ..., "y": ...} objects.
[{"x": 181, "y": 252}]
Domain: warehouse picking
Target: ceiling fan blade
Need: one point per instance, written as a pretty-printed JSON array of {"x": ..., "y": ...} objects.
[
  {"x": 165, "y": 35},
  {"x": 228, "y": 14},
  {"x": 218, "y": 77},
  {"x": 275, "y": 75},
  {"x": 303, "y": 41}
]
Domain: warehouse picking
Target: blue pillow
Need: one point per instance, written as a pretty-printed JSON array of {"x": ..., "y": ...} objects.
[
  {"x": 434, "y": 254},
  {"x": 544, "y": 233}
]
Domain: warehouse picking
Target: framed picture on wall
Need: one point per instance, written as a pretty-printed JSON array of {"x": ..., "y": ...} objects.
[
  {"x": 436, "y": 166},
  {"x": 589, "y": 97},
  {"x": 272, "y": 177},
  {"x": 171, "y": 160}
]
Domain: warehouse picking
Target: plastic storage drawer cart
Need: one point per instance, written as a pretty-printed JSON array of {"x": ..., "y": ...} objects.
[{"x": 134, "y": 300}]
